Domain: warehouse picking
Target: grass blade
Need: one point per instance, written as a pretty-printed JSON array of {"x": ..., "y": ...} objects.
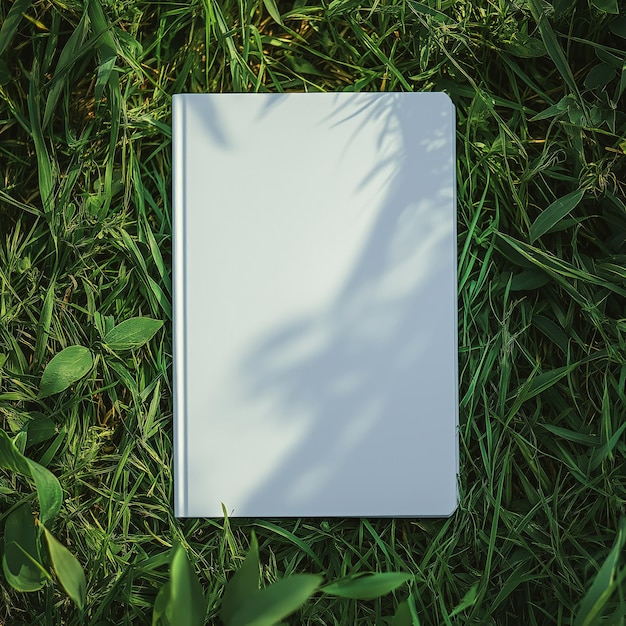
[
  {"x": 272, "y": 9},
  {"x": 553, "y": 47},
  {"x": 45, "y": 320},
  {"x": 545, "y": 380},
  {"x": 72, "y": 50},
  {"x": 106, "y": 46},
  {"x": 554, "y": 213},
  {"x": 44, "y": 164},
  {"x": 12, "y": 21},
  {"x": 603, "y": 585}
]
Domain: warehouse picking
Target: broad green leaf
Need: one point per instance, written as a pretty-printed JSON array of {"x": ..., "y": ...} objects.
[
  {"x": 11, "y": 458},
  {"x": 529, "y": 280},
  {"x": 68, "y": 570},
  {"x": 607, "y": 6},
  {"x": 160, "y": 605},
  {"x": 20, "y": 441},
  {"x": 554, "y": 213},
  {"x": 12, "y": 21},
  {"x": 603, "y": 585},
  {"x": 48, "y": 487},
  {"x": 64, "y": 369},
  {"x": 599, "y": 76},
  {"x": 243, "y": 585},
  {"x": 618, "y": 27},
  {"x": 21, "y": 561},
  {"x": 614, "y": 60},
  {"x": 302, "y": 66},
  {"x": 526, "y": 47},
  {"x": 402, "y": 616},
  {"x": 39, "y": 428},
  {"x": 181, "y": 601},
  {"x": 367, "y": 586},
  {"x": 272, "y": 604},
  {"x": 272, "y": 9},
  {"x": 48, "y": 491},
  {"x": 187, "y": 604},
  {"x": 469, "y": 599},
  {"x": 132, "y": 333}
]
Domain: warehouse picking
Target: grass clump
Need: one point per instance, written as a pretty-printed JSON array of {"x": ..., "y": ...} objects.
[{"x": 85, "y": 226}]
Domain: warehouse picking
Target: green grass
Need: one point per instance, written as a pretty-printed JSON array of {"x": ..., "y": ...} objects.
[{"x": 85, "y": 227}]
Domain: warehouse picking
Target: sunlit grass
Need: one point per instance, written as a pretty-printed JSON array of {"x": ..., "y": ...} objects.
[{"x": 85, "y": 226}]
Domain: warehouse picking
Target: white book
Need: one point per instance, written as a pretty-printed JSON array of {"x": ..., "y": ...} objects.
[{"x": 315, "y": 305}]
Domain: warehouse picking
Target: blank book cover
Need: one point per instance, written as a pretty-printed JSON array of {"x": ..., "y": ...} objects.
[{"x": 315, "y": 306}]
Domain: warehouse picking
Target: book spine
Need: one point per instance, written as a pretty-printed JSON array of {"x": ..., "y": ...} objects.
[{"x": 178, "y": 317}]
